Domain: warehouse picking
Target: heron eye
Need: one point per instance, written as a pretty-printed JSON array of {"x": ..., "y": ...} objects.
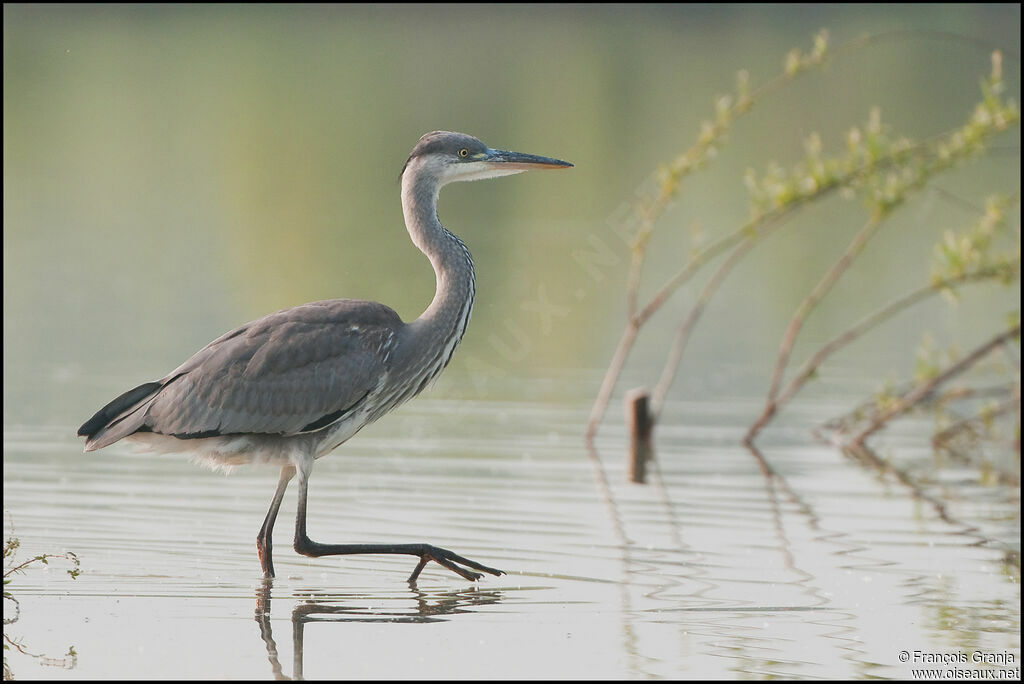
[{"x": 463, "y": 153}]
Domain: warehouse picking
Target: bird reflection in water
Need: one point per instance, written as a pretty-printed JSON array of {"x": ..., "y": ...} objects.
[{"x": 416, "y": 606}]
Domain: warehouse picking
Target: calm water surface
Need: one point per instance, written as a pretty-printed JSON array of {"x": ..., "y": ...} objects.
[{"x": 828, "y": 571}]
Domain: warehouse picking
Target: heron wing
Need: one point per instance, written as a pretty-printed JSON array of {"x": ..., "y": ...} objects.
[{"x": 293, "y": 371}]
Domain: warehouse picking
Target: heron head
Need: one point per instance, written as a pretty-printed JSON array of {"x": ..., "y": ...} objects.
[{"x": 450, "y": 157}]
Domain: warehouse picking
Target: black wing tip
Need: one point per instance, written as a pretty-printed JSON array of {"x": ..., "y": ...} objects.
[
  {"x": 95, "y": 424},
  {"x": 102, "y": 418},
  {"x": 324, "y": 421},
  {"x": 190, "y": 435}
]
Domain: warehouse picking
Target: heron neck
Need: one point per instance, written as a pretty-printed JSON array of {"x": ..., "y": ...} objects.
[{"x": 449, "y": 311}]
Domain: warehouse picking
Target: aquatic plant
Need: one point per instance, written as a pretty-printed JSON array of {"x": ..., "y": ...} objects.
[{"x": 884, "y": 170}]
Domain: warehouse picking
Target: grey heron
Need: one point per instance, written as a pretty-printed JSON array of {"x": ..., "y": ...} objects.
[{"x": 292, "y": 386}]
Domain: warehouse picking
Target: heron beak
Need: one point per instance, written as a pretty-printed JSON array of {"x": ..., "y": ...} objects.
[{"x": 518, "y": 161}]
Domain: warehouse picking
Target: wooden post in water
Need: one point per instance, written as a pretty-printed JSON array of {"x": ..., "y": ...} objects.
[{"x": 640, "y": 422}]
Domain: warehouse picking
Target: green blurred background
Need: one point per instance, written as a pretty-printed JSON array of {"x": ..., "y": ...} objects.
[{"x": 172, "y": 172}]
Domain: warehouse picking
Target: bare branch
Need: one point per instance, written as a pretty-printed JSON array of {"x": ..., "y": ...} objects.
[
  {"x": 812, "y": 299},
  {"x": 675, "y": 354},
  {"x": 924, "y": 388},
  {"x": 810, "y": 367}
]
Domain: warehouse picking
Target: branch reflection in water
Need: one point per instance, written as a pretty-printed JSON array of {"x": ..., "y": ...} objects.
[{"x": 417, "y": 607}]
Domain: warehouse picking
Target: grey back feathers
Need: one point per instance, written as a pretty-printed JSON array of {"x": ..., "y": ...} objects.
[{"x": 282, "y": 374}]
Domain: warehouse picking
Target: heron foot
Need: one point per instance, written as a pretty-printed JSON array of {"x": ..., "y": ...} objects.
[{"x": 451, "y": 561}]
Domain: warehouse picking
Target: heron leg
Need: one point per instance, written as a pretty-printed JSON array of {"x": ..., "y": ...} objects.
[
  {"x": 426, "y": 553},
  {"x": 264, "y": 544}
]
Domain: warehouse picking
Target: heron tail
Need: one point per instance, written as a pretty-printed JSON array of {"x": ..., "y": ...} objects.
[{"x": 119, "y": 418}]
